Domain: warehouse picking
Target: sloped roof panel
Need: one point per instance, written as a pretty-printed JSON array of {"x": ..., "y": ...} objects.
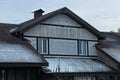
[
  {"x": 17, "y": 53},
  {"x": 14, "y": 51},
  {"x": 75, "y": 65},
  {"x": 111, "y": 45}
]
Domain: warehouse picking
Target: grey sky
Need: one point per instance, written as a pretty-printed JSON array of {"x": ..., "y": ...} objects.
[{"x": 102, "y": 14}]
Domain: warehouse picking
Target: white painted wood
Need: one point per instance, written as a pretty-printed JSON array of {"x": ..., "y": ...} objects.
[
  {"x": 32, "y": 41},
  {"x": 69, "y": 32},
  {"x": 62, "y": 19},
  {"x": 92, "y": 49},
  {"x": 60, "y": 32}
]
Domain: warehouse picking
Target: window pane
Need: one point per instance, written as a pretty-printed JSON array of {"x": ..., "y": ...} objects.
[
  {"x": 63, "y": 47},
  {"x": 42, "y": 45},
  {"x": 82, "y": 47}
]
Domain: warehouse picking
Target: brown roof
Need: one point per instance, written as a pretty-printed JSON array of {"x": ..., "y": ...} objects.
[
  {"x": 16, "y": 52},
  {"x": 29, "y": 24}
]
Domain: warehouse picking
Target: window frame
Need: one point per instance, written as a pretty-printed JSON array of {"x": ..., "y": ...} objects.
[
  {"x": 46, "y": 46},
  {"x": 76, "y": 54},
  {"x": 80, "y": 48},
  {"x": 48, "y": 52}
]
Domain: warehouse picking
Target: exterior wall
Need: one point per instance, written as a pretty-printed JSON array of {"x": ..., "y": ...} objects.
[
  {"x": 19, "y": 74},
  {"x": 53, "y": 29},
  {"x": 91, "y": 47},
  {"x": 82, "y": 76},
  {"x": 60, "y": 32},
  {"x": 107, "y": 60},
  {"x": 62, "y": 20},
  {"x": 32, "y": 41}
]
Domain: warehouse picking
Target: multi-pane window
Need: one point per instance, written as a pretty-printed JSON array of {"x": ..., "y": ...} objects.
[
  {"x": 82, "y": 47},
  {"x": 42, "y": 45},
  {"x": 63, "y": 47},
  {"x": 59, "y": 46}
]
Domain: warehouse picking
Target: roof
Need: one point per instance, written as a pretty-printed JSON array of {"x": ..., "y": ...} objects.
[
  {"x": 16, "y": 52},
  {"x": 75, "y": 65},
  {"x": 111, "y": 45},
  {"x": 29, "y": 24}
]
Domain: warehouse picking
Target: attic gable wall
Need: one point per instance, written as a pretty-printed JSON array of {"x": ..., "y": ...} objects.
[
  {"x": 62, "y": 19},
  {"x": 69, "y": 31}
]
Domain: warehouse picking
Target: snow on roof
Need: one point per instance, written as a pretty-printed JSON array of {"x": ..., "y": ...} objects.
[
  {"x": 17, "y": 53},
  {"x": 65, "y": 65}
]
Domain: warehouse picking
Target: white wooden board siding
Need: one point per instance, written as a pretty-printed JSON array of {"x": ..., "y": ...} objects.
[
  {"x": 60, "y": 32},
  {"x": 62, "y": 20},
  {"x": 92, "y": 49},
  {"x": 32, "y": 41}
]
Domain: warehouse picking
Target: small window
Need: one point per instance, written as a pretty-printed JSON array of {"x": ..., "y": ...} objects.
[
  {"x": 43, "y": 45},
  {"x": 82, "y": 47}
]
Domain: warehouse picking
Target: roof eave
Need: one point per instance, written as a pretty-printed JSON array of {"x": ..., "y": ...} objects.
[{"x": 5, "y": 64}]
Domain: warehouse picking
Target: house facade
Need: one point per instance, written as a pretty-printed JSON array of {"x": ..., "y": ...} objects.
[{"x": 57, "y": 46}]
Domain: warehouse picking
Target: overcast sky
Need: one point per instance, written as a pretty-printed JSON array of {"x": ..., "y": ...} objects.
[{"x": 102, "y": 14}]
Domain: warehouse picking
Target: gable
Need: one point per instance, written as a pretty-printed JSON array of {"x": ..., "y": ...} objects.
[
  {"x": 60, "y": 32},
  {"x": 62, "y": 19},
  {"x": 73, "y": 21},
  {"x": 61, "y": 26}
]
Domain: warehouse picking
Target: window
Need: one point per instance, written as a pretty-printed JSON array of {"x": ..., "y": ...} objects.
[
  {"x": 63, "y": 47},
  {"x": 82, "y": 47},
  {"x": 43, "y": 45}
]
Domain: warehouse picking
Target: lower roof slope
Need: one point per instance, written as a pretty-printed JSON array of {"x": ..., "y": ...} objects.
[
  {"x": 16, "y": 52},
  {"x": 75, "y": 65}
]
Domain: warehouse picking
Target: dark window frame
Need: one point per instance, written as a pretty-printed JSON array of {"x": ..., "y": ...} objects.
[{"x": 48, "y": 38}]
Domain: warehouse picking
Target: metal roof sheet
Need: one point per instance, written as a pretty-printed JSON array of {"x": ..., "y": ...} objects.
[
  {"x": 114, "y": 52},
  {"x": 64, "y": 65}
]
